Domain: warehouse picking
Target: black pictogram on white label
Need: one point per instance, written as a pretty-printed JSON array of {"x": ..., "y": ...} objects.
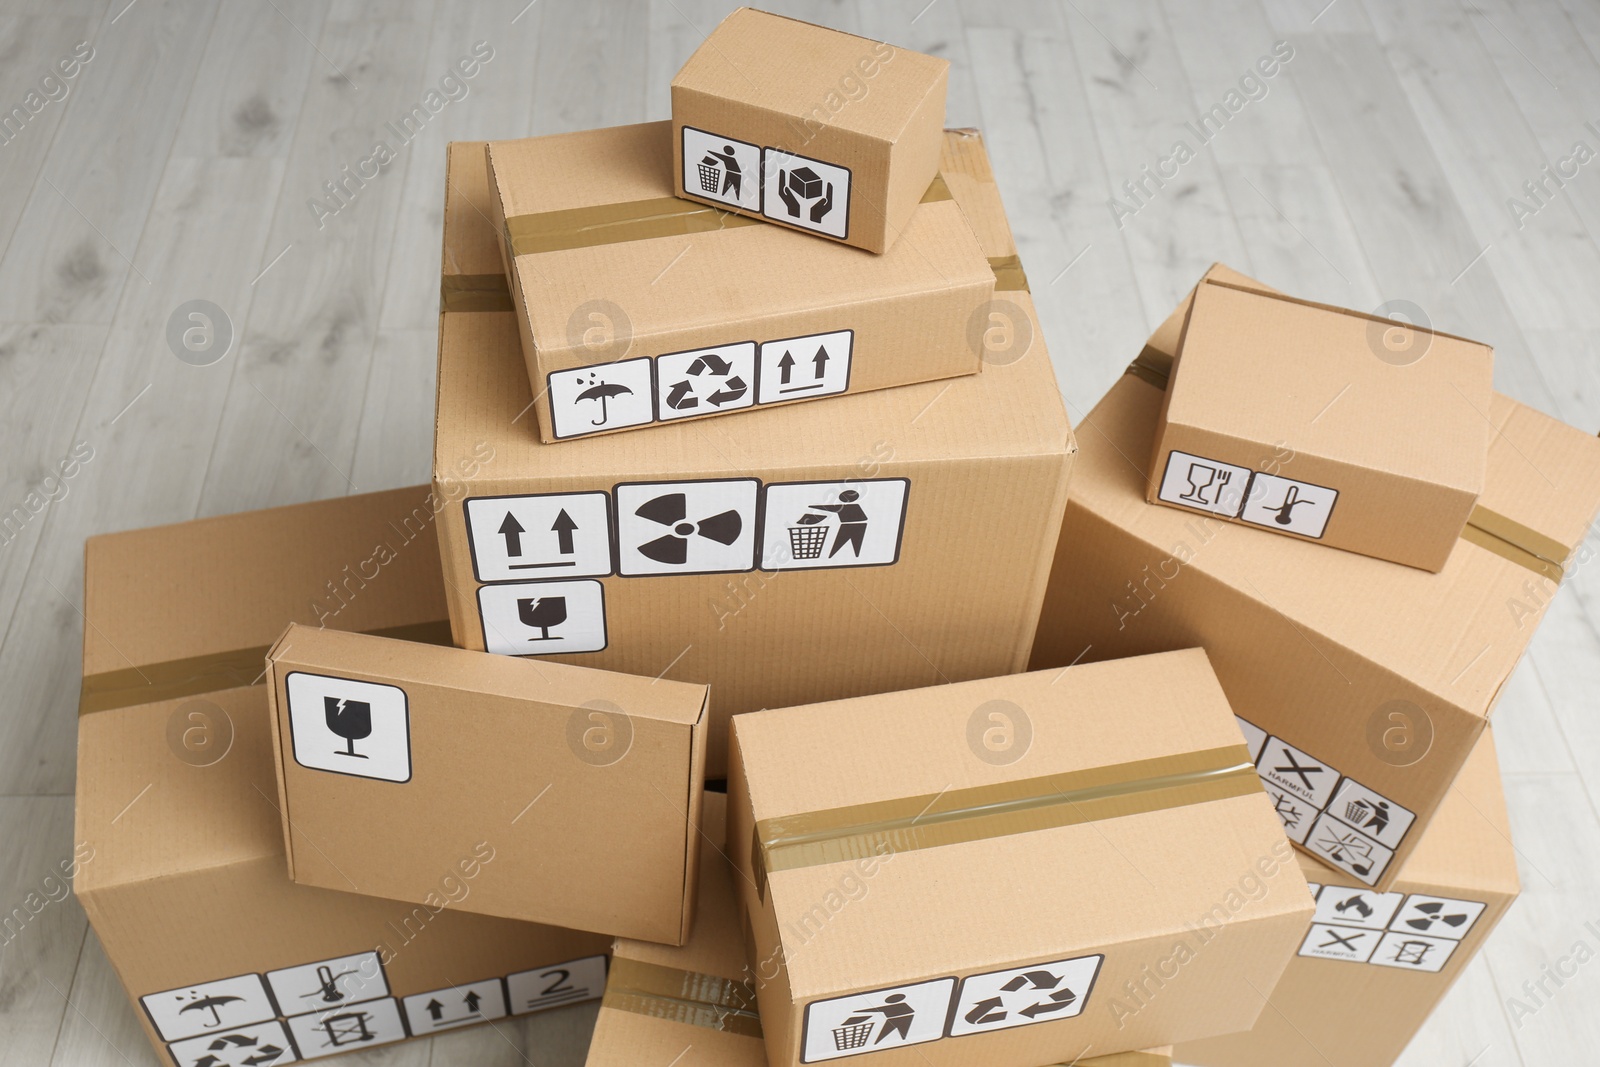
[
  {"x": 1295, "y": 772},
  {"x": 1357, "y": 907},
  {"x": 563, "y": 983},
  {"x": 347, "y": 1029},
  {"x": 1255, "y": 738},
  {"x": 871, "y": 1022},
  {"x": 795, "y": 368},
  {"x": 1296, "y": 813},
  {"x": 604, "y": 397},
  {"x": 542, "y": 535},
  {"x": 349, "y": 727},
  {"x": 261, "y": 1045},
  {"x": 1349, "y": 943},
  {"x": 328, "y": 983},
  {"x": 809, "y": 525},
  {"x": 805, "y": 192},
  {"x": 1335, "y": 843},
  {"x": 1437, "y": 916},
  {"x": 721, "y": 169},
  {"x": 208, "y": 1007},
  {"x": 1413, "y": 952},
  {"x": 1374, "y": 815},
  {"x": 543, "y": 618},
  {"x": 461, "y": 1005},
  {"x": 1205, "y": 484},
  {"x": 1284, "y": 504},
  {"x": 706, "y": 381},
  {"x": 686, "y": 527},
  {"x": 1037, "y": 993}
]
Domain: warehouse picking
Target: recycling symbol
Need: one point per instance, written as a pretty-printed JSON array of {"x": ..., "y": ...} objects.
[
  {"x": 707, "y": 381},
  {"x": 992, "y": 1009},
  {"x": 259, "y": 1054},
  {"x": 1035, "y": 993}
]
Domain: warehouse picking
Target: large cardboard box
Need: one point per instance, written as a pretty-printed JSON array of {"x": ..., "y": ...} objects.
[
  {"x": 1048, "y": 863},
  {"x": 637, "y": 307},
  {"x": 876, "y": 542},
  {"x": 398, "y": 760},
  {"x": 181, "y": 854},
  {"x": 1373, "y": 965},
  {"x": 1364, "y": 684},
  {"x": 695, "y": 1006},
  {"x": 1319, "y": 422},
  {"x": 808, "y": 127}
]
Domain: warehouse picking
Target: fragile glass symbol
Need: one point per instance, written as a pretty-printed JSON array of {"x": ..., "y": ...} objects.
[
  {"x": 541, "y": 613},
  {"x": 349, "y": 719},
  {"x": 1201, "y": 478}
]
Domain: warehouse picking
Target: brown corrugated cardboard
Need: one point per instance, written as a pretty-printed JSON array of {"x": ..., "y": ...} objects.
[
  {"x": 962, "y": 484},
  {"x": 1366, "y": 683},
  {"x": 1090, "y": 845},
  {"x": 808, "y": 127},
  {"x": 636, "y": 307},
  {"x": 182, "y": 871},
  {"x": 1373, "y": 965},
  {"x": 581, "y": 786},
  {"x": 1318, "y": 422}
]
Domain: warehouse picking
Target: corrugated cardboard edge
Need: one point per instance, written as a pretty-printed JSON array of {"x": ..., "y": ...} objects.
[
  {"x": 694, "y": 803},
  {"x": 279, "y": 754}
]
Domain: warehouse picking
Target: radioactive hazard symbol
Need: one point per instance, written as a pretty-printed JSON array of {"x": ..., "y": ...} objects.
[
  {"x": 706, "y": 381},
  {"x": 686, "y": 527}
]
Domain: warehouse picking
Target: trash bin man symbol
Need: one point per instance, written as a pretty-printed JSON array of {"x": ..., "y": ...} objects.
[
  {"x": 897, "y": 1016},
  {"x": 732, "y": 175},
  {"x": 852, "y": 522}
]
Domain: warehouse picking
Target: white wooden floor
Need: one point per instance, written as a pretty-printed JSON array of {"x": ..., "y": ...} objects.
[{"x": 1376, "y": 167}]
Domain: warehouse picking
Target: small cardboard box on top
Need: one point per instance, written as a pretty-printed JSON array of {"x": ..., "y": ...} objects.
[
  {"x": 182, "y": 871},
  {"x": 1091, "y": 846},
  {"x": 876, "y": 542},
  {"x": 695, "y": 1006},
  {"x": 1365, "y": 684},
  {"x": 637, "y": 307},
  {"x": 397, "y": 759},
  {"x": 1374, "y": 965},
  {"x": 1322, "y": 423},
  {"x": 808, "y": 127}
]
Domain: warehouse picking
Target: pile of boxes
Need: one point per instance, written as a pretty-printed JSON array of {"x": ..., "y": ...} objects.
[{"x": 794, "y": 732}]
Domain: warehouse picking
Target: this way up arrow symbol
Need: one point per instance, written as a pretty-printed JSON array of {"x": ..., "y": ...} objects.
[
  {"x": 563, "y": 527},
  {"x": 435, "y": 1009},
  {"x": 512, "y": 531},
  {"x": 820, "y": 359},
  {"x": 785, "y": 367},
  {"x": 472, "y": 1000}
]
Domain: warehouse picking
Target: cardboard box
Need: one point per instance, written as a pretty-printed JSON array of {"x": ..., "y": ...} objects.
[
  {"x": 1374, "y": 965},
  {"x": 808, "y": 127},
  {"x": 1091, "y": 847},
  {"x": 695, "y": 1006},
  {"x": 398, "y": 760},
  {"x": 180, "y": 861},
  {"x": 1365, "y": 683},
  {"x": 962, "y": 484},
  {"x": 1325, "y": 424},
  {"x": 637, "y": 307}
]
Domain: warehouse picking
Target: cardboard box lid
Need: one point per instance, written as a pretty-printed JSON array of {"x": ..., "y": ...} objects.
[
  {"x": 894, "y": 746},
  {"x": 792, "y": 68},
  {"x": 1267, "y": 368}
]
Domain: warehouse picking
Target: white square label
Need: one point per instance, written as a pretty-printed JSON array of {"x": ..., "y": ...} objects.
[
  {"x": 454, "y": 1006},
  {"x": 1348, "y": 943},
  {"x": 1037, "y": 993},
  {"x": 705, "y": 381},
  {"x": 347, "y": 1029},
  {"x": 604, "y": 397},
  {"x": 1293, "y": 771},
  {"x": 329, "y": 983},
  {"x": 1294, "y": 812},
  {"x": 870, "y": 1022},
  {"x": 1412, "y": 952},
  {"x": 209, "y": 1007},
  {"x": 1356, "y": 907},
  {"x": 1374, "y": 815},
  {"x": 543, "y": 618},
  {"x": 1206, "y": 484},
  {"x": 1285, "y": 504},
  {"x": 543, "y": 535},
  {"x": 261, "y": 1045},
  {"x": 806, "y": 192},
  {"x": 799, "y": 367},
  {"x": 1437, "y": 916},
  {"x": 721, "y": 169},
  {"x": 564, "y": 983},
  {"x": 686, "y": 527},
  {"x": 833, "y": 524},
  {"x": 1335, "y": 843},
  {"x": 349, "y": 727}
]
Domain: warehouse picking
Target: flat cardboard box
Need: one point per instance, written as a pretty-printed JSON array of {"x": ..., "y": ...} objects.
[
  {"x": 1052, "y": 862},
  {"x": 962, "y": 483},
  {"x": 181, "y": 853},
  {"x": 638, "y": 308},
  {"x": 808, "y": 127},
  {"x": 1374, "y": 965},
  {"x": 1365, "y": 682},
  {"x": 1325, "y": 424},
  {"x": 398, "y": 760},
  {"x": 695, "y": 1006}
]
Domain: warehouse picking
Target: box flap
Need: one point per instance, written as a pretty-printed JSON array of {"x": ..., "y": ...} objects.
[
  {"x": 1468, "y": 841},
  {"x": 1544, "y": 476}
]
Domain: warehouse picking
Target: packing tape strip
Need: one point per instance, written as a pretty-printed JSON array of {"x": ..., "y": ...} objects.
[
  {"x": 1504, "y": 536},
  {"x": 1001, "y": 809},
  {"x": 682, "y": 996},
  {"x": 211, "y": 673},
  {"x": 475, "y": 292}
]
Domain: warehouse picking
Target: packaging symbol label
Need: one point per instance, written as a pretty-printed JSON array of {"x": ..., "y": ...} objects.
[
  {"x": 1348, "y": 943},
  {"x": 550, "y": 987},
  {"x": 706, "y": 380},
  {"x": 1280, "y": 503},
  {"x": 1357, "y": 907},
  {"x": 686, "y": 527},
  {"x": 261, "y": 1045},
  {"x": 543, "y": 618},
  {"x": 720, "y": 168},
  {"x": 443, "y": 1009},
  {"x": 541, "y": 535},
  {"x": 798, "y": 367},
  {"x": 1437, "y": 916},
  {"x": 347, "y": 1029},
  {"x": 1415, "y": 933},
  {"x": 805, "y": 192},
  {"x": 328, "y": 983},
  {"x": 349, "y": 727},
  {"x": 811, "y": 525},
  {"x": 604, "y": 397},
  {"x": 1296, "y": 773},
  {"x": 209, "y": 1007},
  {"x": 1039, "y": 992},
  {"x": 1204, "y": 484},
  {"x": 871, "y": 1022},
  {"x": 1413, "y": 952}
]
